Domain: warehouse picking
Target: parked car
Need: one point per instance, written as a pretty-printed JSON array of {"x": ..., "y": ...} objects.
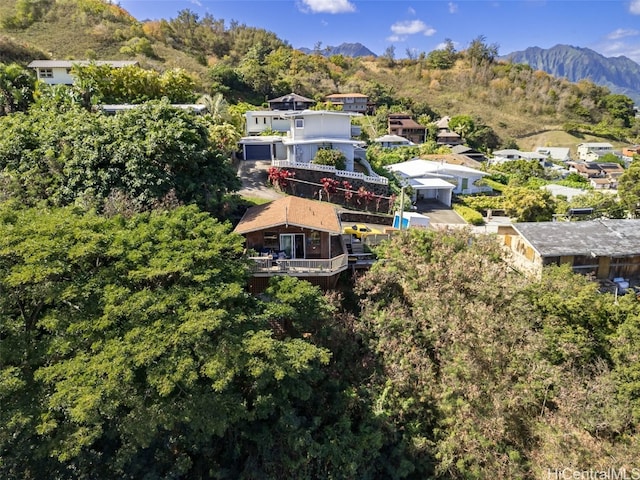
[{"x": 360, "y": 230}]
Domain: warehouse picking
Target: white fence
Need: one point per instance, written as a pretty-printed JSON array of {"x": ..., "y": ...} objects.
[{"x": 330, "y": 169}]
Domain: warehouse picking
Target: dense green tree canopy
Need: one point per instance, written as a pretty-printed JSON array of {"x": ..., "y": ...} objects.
[
  {"x": 488, "y": 373},
  {"x": 17, "y": 85},
  {"x": 104, "y": 84},
  {"x": 629, "y": 188},
  {"x": 129, "y": 348},
  {"x": 143, "y": 155}
]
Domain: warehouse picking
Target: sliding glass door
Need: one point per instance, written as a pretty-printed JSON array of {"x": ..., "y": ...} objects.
[{"x": 292, "y": 244}]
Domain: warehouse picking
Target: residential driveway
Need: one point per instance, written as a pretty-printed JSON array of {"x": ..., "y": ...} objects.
[
  {"x": 253, "y": 175},
  {"x": 439, "y": 214}
]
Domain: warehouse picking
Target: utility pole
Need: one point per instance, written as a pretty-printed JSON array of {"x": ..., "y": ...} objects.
[{"x": 401, "y": 206}]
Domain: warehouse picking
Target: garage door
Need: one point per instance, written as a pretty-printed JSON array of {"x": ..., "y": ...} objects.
[{"x": 257, "y": 152}]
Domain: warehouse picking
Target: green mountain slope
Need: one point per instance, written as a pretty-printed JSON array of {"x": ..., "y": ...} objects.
[
  {"x": 620, "y": 74},
  {"x": 249, "y": 64}
]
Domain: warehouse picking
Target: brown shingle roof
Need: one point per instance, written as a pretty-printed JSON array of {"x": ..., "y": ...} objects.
[{"x": 292, "y": 211}]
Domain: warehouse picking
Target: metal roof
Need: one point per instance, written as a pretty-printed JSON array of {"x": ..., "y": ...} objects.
[{"x": 596, "y": 238}]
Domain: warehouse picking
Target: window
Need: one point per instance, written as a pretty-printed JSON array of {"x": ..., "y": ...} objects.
[
  {"x": 299, "y": 123},
  {"x": 270, "y": 240},
  {"x": 465, "y": 183},
  {"x": 46, "y": 73}
]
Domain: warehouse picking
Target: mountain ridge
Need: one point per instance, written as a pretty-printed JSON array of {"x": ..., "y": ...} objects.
[{"x": 619, "y": 74}]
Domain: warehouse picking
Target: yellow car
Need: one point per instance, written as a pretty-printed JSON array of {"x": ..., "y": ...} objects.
[{"x": 360, "y": 230}]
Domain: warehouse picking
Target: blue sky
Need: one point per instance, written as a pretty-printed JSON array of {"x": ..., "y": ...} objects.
[{"x": 610, "y": 27}]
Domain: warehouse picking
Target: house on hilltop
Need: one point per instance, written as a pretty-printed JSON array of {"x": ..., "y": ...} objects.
[
  {"x": 592, "y": 151},
  {"x": 600, "y": 174},
  {"x": 297, "y": 237},
  {"x": 350, "y": 102},
  {"x": 56, "y": 72},
  {"x": 558, "y": 154},
  {"x": 307, "y": 131},
  {"x": 392, "y": 141},
  {"x": 404, "y": 125},
  {"x": 292, "y": 101}
]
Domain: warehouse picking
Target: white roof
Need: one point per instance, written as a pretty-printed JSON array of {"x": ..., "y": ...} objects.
[
  {"x": 419, "y": 168},
  {"x": 311, "y": 141},
  {"x": 595, "y": 145},
  {"x": 568, "y": 192},
  {"x": 418, "y": 183},
  {"x": 266, "y": 113},
  {"x": 71, "y": 63},
  {"x": 393, "y": 138},
  {"x": 196, "y": 107},
  {"x": 554, "y": 152},
  {"x": 509, "y": 151},
  {"x": 260, "y": 139},
  {"x": 309, "y": 113}
]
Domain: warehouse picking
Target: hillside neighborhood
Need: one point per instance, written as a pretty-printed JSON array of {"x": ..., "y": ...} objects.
[{"x": 225, "y": 258}]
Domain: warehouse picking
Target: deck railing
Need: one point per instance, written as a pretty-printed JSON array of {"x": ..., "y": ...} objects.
[{"x": 325, "y": 266}]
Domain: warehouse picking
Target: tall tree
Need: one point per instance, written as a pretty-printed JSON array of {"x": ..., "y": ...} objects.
[
  {"x": 629, "y": 188},
  {"x": 17, "y": 86},
  {"x": 129, "y": 348},
  {"x": 146, "y": 154}
]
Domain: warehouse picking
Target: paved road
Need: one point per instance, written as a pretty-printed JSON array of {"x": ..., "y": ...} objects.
[{"x": 253, "y": 174}]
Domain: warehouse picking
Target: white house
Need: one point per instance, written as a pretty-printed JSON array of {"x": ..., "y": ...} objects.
[
  {"x": 312, "y": 130},
  {"x": 54, "y": 72},
  {"x": 438, "y": 180},
  {"x": 259, "y": 121},
  {"x": 559, "y": 154},
  {"x": 393, "y": 141},
  {"x": 589, "y": 152},
  {"x": 308, "y": 131},
  {"x": 501, "y": 156}
]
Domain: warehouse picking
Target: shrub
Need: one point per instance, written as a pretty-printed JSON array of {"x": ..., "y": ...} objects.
[
  {"x": 335, "y": 158},
  {"x": 469, "y": 214}
]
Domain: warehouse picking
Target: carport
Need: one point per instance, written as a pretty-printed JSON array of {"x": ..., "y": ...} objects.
[{"x": 432, "y": 189}]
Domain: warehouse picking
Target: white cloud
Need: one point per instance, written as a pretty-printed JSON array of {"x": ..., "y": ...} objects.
[
  {"x": 618, "y": 48},
  {"x": 329, "y": 6},
  {"x": 411, "y": 27},
  {"x": 411, "y": 11},
  {"x": 196, "y": 2},
  {"x": 634, "y": 7},
  {"x": 396, "y": 38},
  {"x": 453, "y": 7},
  {"x": 621, "y": 33}
]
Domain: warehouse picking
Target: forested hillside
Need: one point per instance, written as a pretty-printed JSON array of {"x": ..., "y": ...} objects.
[
  {"x": 130, "y": 348},
  {"x": 250, "y": 64}
]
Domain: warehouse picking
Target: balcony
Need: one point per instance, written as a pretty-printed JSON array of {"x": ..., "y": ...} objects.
[{"x": 299, "y": 267}]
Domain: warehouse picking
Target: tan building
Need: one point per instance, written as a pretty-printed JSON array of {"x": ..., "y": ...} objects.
[
  {"x": 350, "y": 102},
  {"x": 605, "y": 248},
  {"x": 405, "y": 126}
]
